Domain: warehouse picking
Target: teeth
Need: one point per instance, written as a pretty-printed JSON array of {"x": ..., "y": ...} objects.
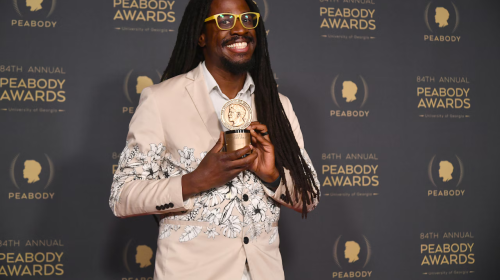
[{"x": 241, "y": 45}]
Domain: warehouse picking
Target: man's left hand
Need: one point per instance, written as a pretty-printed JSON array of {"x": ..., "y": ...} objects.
[{"x": 263, "y": 166}]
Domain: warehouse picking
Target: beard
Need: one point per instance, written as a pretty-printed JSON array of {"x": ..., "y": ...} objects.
[{"x": 238, "y": 67}]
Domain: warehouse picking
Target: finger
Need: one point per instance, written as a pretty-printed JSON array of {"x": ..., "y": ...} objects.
[
  {"x": 243, "y": 162},
  {"x": 238, "y": 153},
  {"x": 219, "y": 145},
  {"x": 259, "y": 127},
  {"x": 264, "y": 140}
]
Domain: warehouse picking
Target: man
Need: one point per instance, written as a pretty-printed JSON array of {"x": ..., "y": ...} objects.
[{"x": 220, "y": 210}]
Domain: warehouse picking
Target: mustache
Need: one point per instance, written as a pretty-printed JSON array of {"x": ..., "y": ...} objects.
[{"x": 233, "y": 39}]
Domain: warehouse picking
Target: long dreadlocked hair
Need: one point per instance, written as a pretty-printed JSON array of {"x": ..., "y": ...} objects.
[{"x": 187, "y": 55}]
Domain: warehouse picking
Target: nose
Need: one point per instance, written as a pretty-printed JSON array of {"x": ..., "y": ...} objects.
[{"x": 238, "y": 28}]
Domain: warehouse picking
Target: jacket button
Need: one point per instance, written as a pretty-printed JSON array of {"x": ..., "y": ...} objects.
[
  {"x": 158, "y": 207},
  {"x": 245, "y": 240},
  {"x": 162, "y": 207},
  {"x": 171, "y": 205},
  {"x": 282, "y": 196},
  {"x": 166, "y": 206},
  {"x": 245, "y": 197}
]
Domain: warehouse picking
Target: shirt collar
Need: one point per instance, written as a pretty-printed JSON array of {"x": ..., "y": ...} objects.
[{"x": 248, "y": 86}]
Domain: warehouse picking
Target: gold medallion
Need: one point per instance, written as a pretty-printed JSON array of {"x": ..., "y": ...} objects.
[{"x": 236, "y": 114}]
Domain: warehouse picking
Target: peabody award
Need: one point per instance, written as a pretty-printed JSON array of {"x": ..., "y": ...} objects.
[{"x": 236, "y": 115}]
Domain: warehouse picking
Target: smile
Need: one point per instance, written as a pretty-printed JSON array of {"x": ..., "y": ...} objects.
[{"x": 237, "y": 46}]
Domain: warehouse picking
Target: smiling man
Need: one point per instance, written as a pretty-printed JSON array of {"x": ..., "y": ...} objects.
[{"x": 219, "y": 210}]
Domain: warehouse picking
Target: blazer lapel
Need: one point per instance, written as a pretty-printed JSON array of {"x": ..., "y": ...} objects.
[{"x": 201, "y": 99}]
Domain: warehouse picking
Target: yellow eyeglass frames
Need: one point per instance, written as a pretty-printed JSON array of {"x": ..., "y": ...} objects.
[{"x": 226, "y": 21}]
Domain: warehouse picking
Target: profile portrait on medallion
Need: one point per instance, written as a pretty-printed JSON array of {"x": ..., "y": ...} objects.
[{"x": 236, "y": 114}]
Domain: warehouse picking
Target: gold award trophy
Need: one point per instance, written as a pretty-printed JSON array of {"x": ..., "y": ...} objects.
[{"x": 236, "y": 115}]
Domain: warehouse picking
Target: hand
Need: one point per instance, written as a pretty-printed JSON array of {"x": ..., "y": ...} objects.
[
  {"x": 216, "y": 169},
  {"x": 263, "y": 166}
]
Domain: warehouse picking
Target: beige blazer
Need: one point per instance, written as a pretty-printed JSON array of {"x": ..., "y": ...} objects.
[{"x": 210, "y": 235}]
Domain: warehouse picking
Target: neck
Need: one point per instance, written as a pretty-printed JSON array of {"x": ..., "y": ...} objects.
[{"x": 229, "y": 83}]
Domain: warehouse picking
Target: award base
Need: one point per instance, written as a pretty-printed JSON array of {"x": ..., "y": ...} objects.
[{"x": 236, "y": 139}]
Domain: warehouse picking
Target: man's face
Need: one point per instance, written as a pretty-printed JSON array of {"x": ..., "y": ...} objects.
[
  {"x": 217, "y": 43},
  {"x": 231, "y": 115}
]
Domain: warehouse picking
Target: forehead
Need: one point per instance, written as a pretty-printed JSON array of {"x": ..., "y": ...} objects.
[{"x": 229, "y": 6}]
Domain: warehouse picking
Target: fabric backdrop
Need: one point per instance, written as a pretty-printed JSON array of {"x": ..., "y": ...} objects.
[{"x": 397, "y": 100}]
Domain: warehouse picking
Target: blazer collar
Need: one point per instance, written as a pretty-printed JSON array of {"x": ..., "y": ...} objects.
[{"x": 199, "y": 95}]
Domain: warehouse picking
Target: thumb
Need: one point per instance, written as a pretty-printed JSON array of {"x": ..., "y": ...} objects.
[{"x": 219, "y": 145}]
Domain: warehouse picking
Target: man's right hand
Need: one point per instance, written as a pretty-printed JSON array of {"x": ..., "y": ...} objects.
[{"x": 216, "y": 169}]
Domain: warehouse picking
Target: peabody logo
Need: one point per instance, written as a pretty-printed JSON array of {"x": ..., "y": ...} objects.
[
  {"x": 36, "y": 10},
  {"x": 352, "y": 254},
  {"x": 139, "y": 259},
  {"x": 445, "y": 172},
  {"x": 350, "y": 20},
  {"x": 349, "y": 93},
  {"x": 31, "y": 174},
  {"x": 133, "y": 85},
  {"x": 442, "y": 19}
]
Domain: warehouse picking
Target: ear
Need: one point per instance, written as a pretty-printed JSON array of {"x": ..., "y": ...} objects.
[{"x": 201, "y": 40}]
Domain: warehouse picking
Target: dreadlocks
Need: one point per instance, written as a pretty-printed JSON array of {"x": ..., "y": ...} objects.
[{"x": 187, "y": 55}]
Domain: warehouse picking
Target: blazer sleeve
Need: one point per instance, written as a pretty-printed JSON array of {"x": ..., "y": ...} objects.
[
  {"x": 141, "y": 184},
  {"x": 279, "y": 194}
]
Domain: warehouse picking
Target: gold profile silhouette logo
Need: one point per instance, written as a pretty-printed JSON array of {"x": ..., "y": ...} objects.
[
  {"x": 35, "y": 5},
  {"x": 441, "y": 16},
  {"x": 141, "y": 82},
  {"x": 446, "y": 170},
  {"x": 140, "y": 258},
  {"x": 352, "y": 250},
  {"x": 349, "y": 91},
  {"x": 143, "y": 256},
  {"x": 32, "y": 169}
]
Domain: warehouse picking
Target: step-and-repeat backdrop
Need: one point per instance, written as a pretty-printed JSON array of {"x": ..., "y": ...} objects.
[{"x": 398, "y": 102}]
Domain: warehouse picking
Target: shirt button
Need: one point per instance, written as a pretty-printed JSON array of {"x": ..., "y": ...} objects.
[
  {"x": 245, "y": 240},
  {"x": 245, "y": 197}
]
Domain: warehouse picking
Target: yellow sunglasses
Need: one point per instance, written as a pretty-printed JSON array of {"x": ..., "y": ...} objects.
[{"x": 226, "y": 21}]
